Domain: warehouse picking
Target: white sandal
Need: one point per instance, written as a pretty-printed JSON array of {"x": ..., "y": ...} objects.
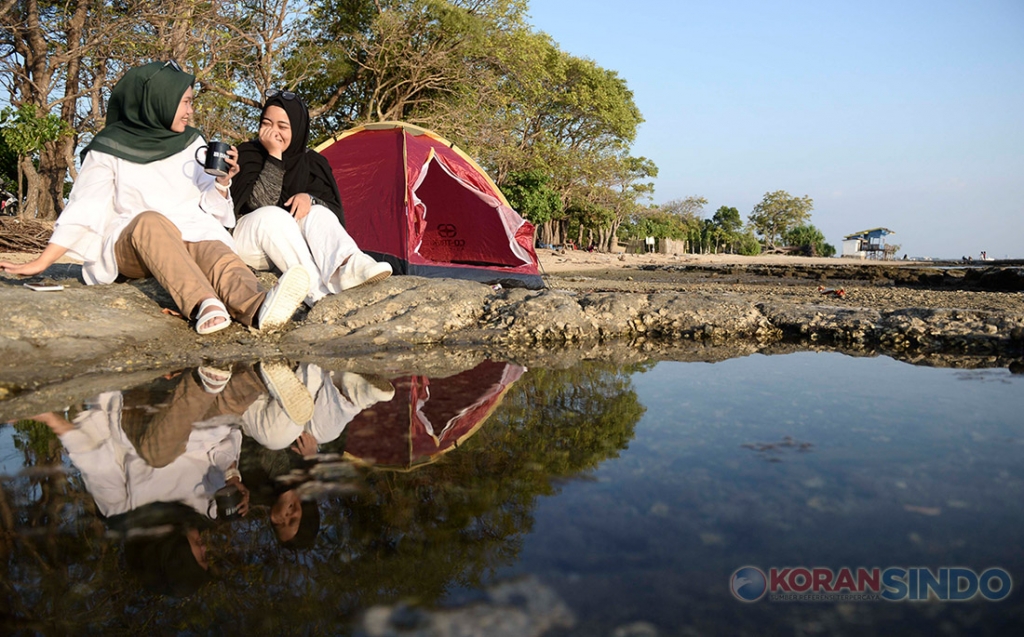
[
  {"x": 209, "y": 310},
  {"x": 214, "y": 379}
]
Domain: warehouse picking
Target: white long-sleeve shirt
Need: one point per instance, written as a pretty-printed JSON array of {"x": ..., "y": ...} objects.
[
  {"x": 119, "y": 480},
  {"x": 110, "y": 192}
]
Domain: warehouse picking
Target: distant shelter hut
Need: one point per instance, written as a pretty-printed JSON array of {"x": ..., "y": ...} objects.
[{"x": 868, "y": 244}]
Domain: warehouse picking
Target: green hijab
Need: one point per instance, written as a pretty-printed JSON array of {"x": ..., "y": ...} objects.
[{"x": 140, "y": 113}]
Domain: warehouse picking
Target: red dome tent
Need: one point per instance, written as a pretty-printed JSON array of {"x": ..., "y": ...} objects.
[
  {"x": 414, "y": 199},
  {"x": 428, "y": 417}
]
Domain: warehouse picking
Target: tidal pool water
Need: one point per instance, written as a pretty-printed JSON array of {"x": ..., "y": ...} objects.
[{"x": 637, "y": 500}]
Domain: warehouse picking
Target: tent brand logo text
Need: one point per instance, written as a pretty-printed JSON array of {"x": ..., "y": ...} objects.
[
  {"x": 447, "y": 232},
  {"x": 893, "y": 584}
]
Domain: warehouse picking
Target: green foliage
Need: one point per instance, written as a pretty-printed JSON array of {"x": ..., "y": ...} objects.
[
  {"x": 748, "y": 245},
  {"x": 33, "y": 438},
  {"x": 689, "y": 209},
  {"x": 653, "y": 222},
  {"x": 473, "y": 70},
  {"x": 727, "y": 224},
  {"x": 8, "y": 166},
  {"x": 728, "y": 219},
  {"x": 25, "y": 131},
  {"x": 531, "y": 196},
  {"x": 777, "y": 213},
  {"x": 810, "y": 239}
]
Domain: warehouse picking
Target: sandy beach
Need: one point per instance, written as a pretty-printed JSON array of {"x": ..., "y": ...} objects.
[{"x": 557, "y": 261}]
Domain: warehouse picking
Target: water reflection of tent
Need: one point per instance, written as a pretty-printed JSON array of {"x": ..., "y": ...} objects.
[{"x": 428, "y": 416}]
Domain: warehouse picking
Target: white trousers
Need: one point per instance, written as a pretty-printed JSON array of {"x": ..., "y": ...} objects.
[
  {"x": 269, "y": 237},
  {"x": 268, "y": 423}
]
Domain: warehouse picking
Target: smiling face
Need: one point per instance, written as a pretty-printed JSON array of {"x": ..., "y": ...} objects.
[
  {"x": 275, "y": 126},
  {"x": 286, "y": 514},
  {"x": 183, "y": 113}
]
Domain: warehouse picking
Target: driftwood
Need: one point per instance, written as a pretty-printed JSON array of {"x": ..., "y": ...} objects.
[
  {"x": 18, "y": 234},
  {"x": 805, "y": 250}
]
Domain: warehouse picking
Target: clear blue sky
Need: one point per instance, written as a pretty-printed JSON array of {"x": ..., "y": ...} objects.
[{"x": 902, "y": 114}]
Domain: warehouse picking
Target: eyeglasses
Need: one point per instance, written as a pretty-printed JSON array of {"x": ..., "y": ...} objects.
[
  {"x": 273, "y": 92},
  {"x": 171, "y": 63}
]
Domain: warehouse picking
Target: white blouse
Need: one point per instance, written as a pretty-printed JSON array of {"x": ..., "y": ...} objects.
[
  {"x": 119, "y": 480},
  {"x": 110, "y": 192}
]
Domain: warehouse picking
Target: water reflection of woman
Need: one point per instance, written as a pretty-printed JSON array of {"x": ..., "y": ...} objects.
[
  {"x": 295, "y": 521},
  {"x": 130, "y": 458},
  {"x": 335, "y": 399},
  {"x": 283, "y": 443},
  {"x": 164, "y": 547}
]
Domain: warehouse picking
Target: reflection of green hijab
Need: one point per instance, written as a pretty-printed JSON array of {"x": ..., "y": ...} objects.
[{"x": 140, "y": 113}]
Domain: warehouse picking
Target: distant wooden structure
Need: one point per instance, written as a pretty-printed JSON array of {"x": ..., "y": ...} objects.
[{"x": 868, "y": 244}]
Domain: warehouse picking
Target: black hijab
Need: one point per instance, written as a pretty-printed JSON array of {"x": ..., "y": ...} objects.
[{"x": 305, "y": 170}]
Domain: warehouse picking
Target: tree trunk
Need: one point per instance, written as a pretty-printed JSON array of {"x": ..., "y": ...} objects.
[
  {"x": 21, "y": 186},
  {"x": 543, "y": 234},
  {"x": 52, "y": 171},
  {"x": 606, "y": 238},
  {"x": 32, "y": 187}
]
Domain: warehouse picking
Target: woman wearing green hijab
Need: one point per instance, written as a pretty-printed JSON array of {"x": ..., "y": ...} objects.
[{"x": 142, "y": 206}]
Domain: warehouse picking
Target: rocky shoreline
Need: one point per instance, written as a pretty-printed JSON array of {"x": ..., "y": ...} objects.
[{"x": 53, "y": 343}]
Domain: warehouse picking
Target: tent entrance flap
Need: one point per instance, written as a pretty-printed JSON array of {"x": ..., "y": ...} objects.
[{"x": 461, "y": 224}]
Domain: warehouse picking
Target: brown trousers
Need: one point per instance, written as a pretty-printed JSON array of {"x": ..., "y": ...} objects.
[
  {"x": 151, "y": 245},
  {"x": 161, "y": 439}
]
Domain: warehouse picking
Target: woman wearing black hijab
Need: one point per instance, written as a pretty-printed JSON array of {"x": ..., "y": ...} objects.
[
  {"x": 142, "y": 206},
  {"x": 288, "y": 207}
]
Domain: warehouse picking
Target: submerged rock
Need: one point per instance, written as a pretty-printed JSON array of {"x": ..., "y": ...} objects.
[{"x": 523, "y": 608}]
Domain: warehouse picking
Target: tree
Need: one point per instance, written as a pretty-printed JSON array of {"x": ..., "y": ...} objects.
[
  {"x": 810, "y": 239},
  {"x": 777, "y": 213},
  {"x": 26, "y": 133},
  {"x": 689, "y": 209},
  {"x": 8, "y": 167},
  {"x": 678, "y": 219},
  {"x": 727, "y": 221},
  {"x": 49, "y": 51},
  {"x": 377, "y": 60},
  {"x": 620, "y": 193},
  {"x": 748, "y": 245},
  {"x": 473, "y": 70},
  {"x": 690, "y": 213},
  {"x": 653, "y": 221},
  {"x": 529, "y": 194}
]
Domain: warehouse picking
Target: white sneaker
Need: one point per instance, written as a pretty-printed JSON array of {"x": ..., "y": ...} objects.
[
  {"x": 361, "y": 269},
  {"x": 361, "y": 392},
  {"x": 288, "y": 390},
  {"x": 284, "y": 299}
]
